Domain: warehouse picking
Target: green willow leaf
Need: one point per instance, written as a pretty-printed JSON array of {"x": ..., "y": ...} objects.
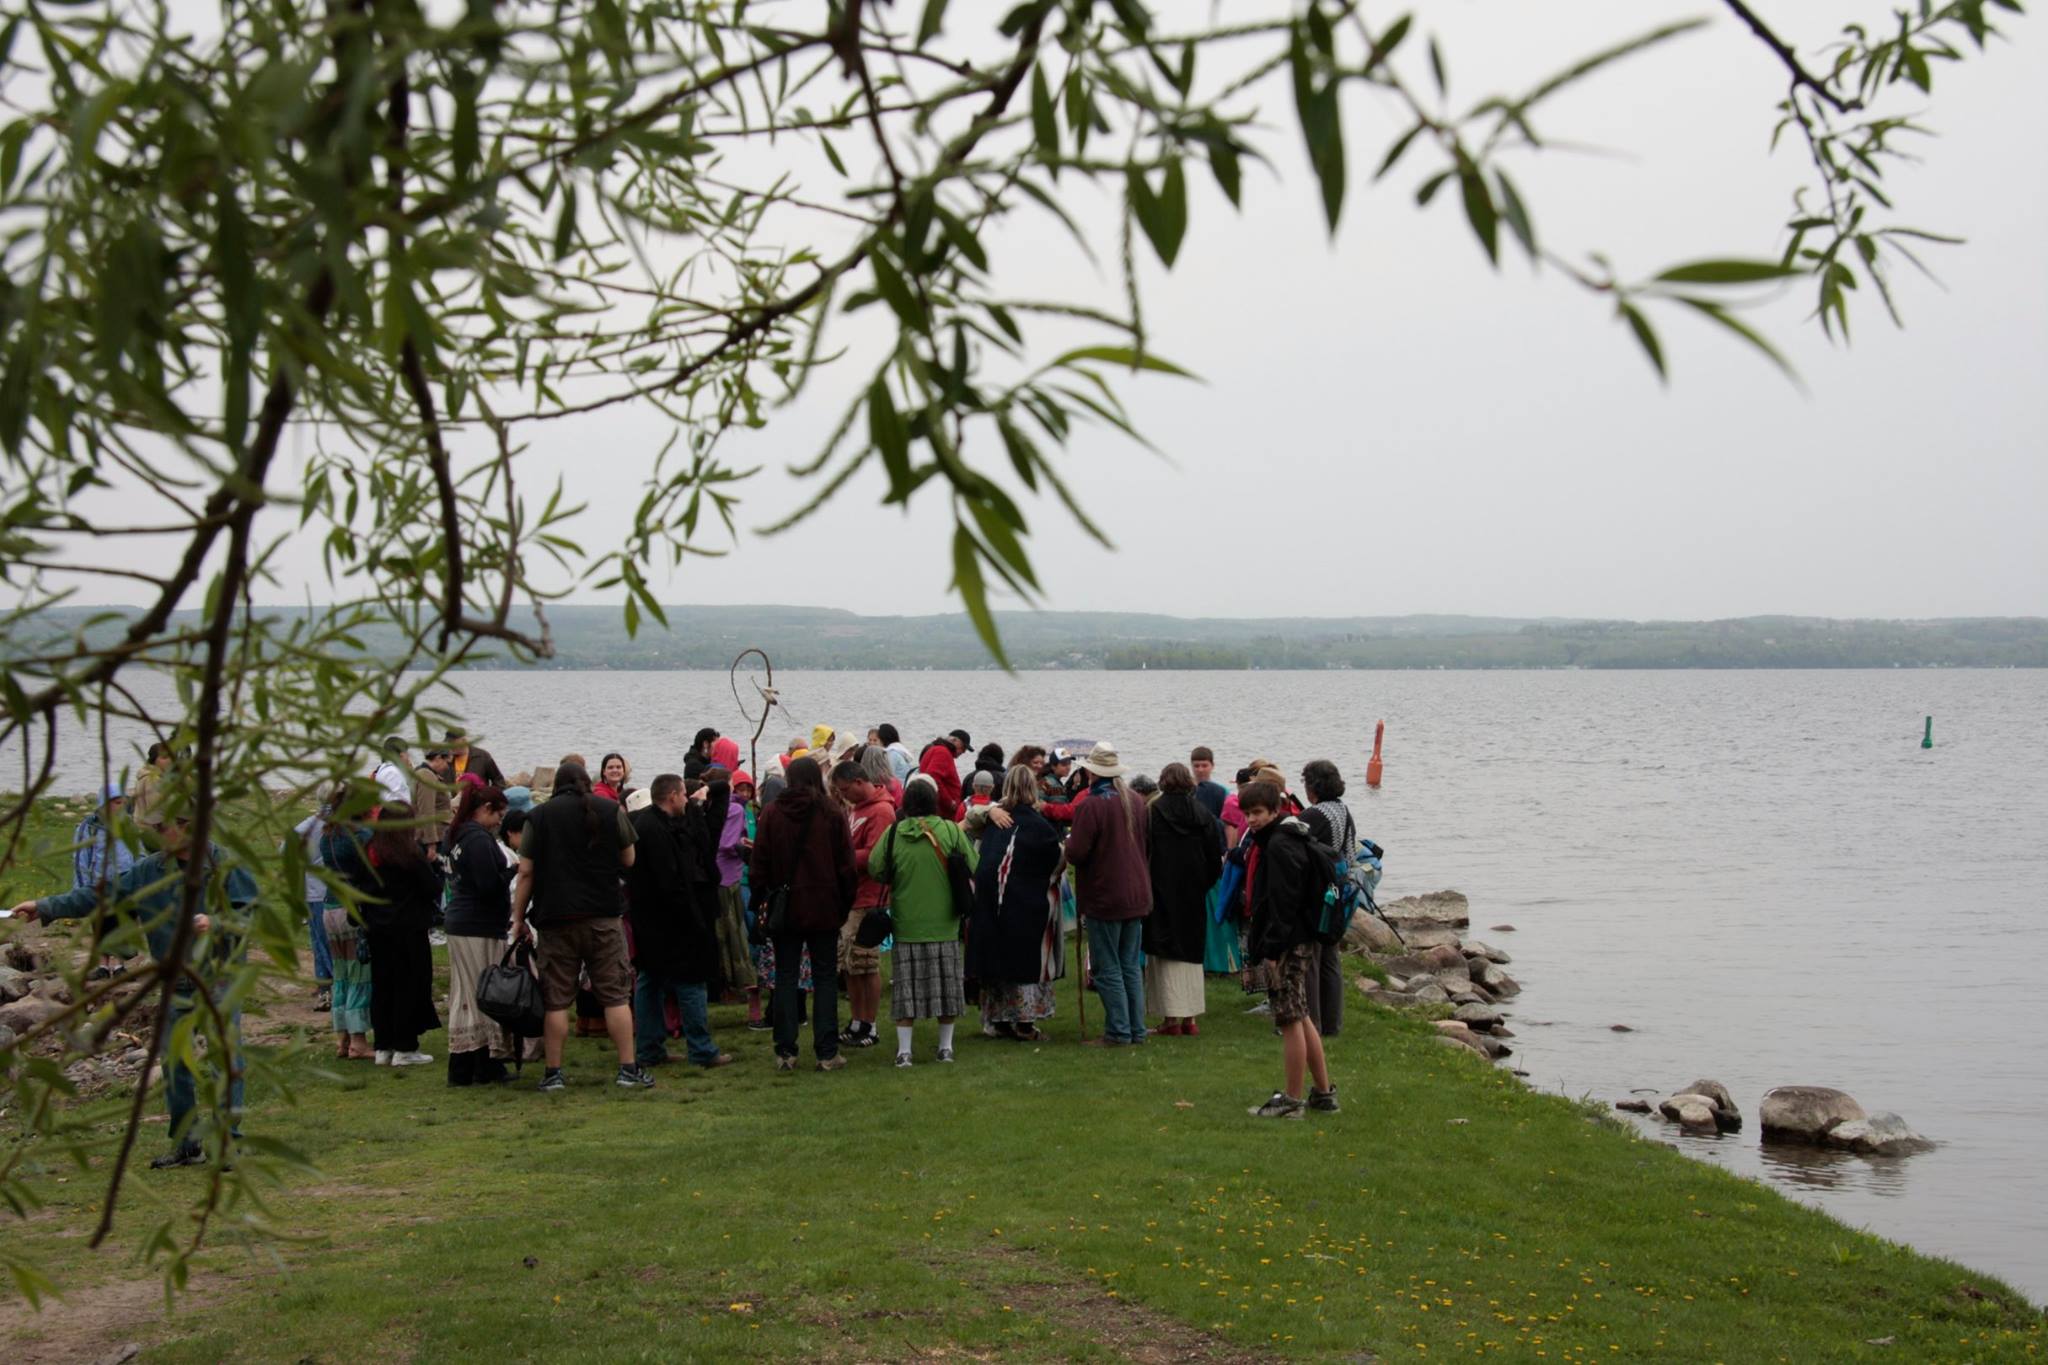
[
  {"x": 973, "y": 590},
  {"x": 1479, "y": 208},
  {"x": 1728, "y": 272},
  {"x": 887, "y": 432},
  {"x": 1646, "y": 337},
  {"x": 1121, "y": 355}
]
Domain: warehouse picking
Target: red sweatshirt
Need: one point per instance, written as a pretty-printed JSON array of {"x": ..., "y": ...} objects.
[{"x": 867, "y": 824}]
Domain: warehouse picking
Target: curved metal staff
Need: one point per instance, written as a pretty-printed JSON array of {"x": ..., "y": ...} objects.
[{"x": 768, "y": 698}]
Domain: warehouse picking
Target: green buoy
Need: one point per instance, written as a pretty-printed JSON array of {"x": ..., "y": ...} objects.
[{"x": 1927, "y": 736}]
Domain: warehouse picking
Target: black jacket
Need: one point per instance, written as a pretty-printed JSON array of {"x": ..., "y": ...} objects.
[
  {"x": 1186, "y": 858},
  {"x": 480, "y": 881},
  {"x": 1286, "y": 889},
  {"x": 673, "y": 888},
  {"x": 483, "y": 765},
  {"x": 401, "y": 896},
  {"x": 816, "y": 863}
]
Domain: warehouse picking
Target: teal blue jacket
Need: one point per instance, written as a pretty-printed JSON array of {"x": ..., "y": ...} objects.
[{"x": 152, "y": 890}]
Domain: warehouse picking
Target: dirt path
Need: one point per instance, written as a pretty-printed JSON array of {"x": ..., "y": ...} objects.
[
  {"x": 1031, "y": 1284},
  {"x": 100, "y": 1324}
]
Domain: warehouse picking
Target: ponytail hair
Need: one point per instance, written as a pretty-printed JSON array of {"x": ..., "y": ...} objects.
[{"x": 475, "y": 796}]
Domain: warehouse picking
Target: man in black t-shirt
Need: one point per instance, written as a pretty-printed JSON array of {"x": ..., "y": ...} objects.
[{"x": 575, "y": 848}]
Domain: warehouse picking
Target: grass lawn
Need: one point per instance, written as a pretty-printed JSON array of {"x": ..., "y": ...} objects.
[{"x": 1050, "y": 1202}]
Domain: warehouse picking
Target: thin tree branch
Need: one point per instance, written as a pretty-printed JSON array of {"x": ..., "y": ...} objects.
[{"x": 1800, "y": 75}]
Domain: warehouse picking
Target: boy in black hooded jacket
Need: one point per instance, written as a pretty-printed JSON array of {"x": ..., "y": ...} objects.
[{"x": 1285, "y": 877}]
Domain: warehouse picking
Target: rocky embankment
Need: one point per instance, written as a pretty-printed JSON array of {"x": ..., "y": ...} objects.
[
  {"x": 33, "y": 991},
  {"x": 1419, "y": 944}
]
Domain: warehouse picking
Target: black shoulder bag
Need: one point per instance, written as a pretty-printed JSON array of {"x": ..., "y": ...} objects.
[{"x": 878, "y": 922}]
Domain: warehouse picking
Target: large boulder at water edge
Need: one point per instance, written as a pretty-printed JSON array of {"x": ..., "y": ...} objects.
[
  {"x": 1727, "y": 1112},
  {"x": 1369, "y": 934},
  {"x": 1437, "y": 910},
  {"x": 1695, "y": 1111},
  {"x": 1446, "y": 958},
  {"x": 1408, "y": 964},
  {"x": 1806, "y": 1113},
  {"x": 1458, "y": 1035},
  {"x": 1496, "y": 981},
  {"x": 1481, "y": 1017},
  {"x": 1878, "y": 1135}
]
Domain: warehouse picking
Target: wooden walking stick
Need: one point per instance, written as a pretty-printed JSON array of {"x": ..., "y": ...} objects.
[
  {"x": 1081, "y": 974},
  {"x": 768, "y": 698}
]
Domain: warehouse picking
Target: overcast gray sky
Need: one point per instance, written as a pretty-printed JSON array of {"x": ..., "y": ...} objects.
[{"x": 1428, "y": 435}]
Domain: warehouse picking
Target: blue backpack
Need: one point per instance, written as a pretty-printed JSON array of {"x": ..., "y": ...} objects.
[{"x": 1352, "y": 882}]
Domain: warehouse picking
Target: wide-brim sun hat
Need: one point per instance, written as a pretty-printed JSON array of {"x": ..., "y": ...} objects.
[{"x": 1102, "y": 761}]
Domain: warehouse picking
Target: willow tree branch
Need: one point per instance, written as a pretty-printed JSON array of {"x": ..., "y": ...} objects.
[{"x": 1783, "y": 49}]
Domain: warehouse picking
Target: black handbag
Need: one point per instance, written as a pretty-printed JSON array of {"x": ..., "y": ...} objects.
[
  {"x": 876, "y": 925},
  {"x": 508, "y": 994}
]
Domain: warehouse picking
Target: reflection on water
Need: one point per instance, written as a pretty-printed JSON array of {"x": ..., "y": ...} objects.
[{"x": 1817, "y": 1168}]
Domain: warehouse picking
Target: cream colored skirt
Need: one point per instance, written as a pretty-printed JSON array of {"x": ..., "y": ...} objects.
[{"x": 1173, "y": 990}]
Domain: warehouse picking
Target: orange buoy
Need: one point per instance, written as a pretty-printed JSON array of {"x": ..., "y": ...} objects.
[{"x": 1372, "y": 769}]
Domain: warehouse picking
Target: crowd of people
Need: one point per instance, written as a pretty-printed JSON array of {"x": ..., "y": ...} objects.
[{"x": 637, "y": 907}]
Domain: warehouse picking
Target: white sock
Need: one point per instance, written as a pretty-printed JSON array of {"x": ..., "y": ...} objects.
[
  {"x": 903, "y": 1037},
  {"x": 945, "y": 1035}
]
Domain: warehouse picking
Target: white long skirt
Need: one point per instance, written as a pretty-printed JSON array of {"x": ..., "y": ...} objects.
[{"x": 1173, "y": 990}]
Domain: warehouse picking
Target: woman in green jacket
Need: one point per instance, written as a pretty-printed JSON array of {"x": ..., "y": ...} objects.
[{"x": 925, "y": 964}]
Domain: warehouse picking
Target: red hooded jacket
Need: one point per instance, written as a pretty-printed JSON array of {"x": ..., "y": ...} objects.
[{"x": 943, "y": 767}]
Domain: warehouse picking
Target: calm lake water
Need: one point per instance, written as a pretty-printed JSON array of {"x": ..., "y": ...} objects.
[{"x": 1761, "y": 873}]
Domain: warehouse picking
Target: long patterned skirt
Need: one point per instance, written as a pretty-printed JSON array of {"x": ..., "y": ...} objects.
[{"x": 351, "y": 1000}]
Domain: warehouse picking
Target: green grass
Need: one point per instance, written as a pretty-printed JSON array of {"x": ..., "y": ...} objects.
[{"x": 1034, "y": 1203}]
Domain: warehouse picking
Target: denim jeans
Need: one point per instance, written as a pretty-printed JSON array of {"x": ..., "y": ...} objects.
[
  {"x": 787, "y": 1001},
  {"x": 1117, "y": 958},
  {"x": 180, "y": 1088},
  {"x": 323, "y": 960},
  {"x": 650, "y": 1026}
]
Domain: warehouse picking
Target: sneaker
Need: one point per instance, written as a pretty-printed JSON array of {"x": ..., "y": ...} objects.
[
  {"x": 1323, "y": 1101},
  {"x": 410, "y": 1059},
  {"x": 759, "y": 1026},
  {"x": 552, "y": 1083},
  {"x": 191, "y": 1154},
  {"x": 850, "y": 1034},
  {"x": 101, "y": 974},
  {"x": 868, "y": 1038},
  {"x": 383, "y": 1057},
  {"x": 323, "y": 1002},
  {"x": 833, "y": 1063},
  {"x": 1263, "y": 1007},
  {"x": 634, "y": 1078},
  {"x": 1281, "y": 1106},
  {"x": 722, "y": 1059},
  {"x": 437, "y": 938},
  {"x": 902, "y": 1060},
  {"x": 785, "y": 1063},
  {"x": 945, "y": 1054}
]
